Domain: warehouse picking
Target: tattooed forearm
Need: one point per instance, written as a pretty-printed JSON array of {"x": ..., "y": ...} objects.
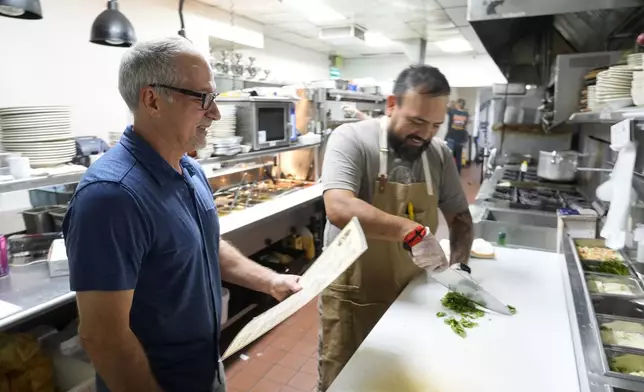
[{"x": 461, "y": 236}]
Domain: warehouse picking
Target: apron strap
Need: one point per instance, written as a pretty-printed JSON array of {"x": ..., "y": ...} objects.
[
  {"x": 384, "y": 153},
  {"x": 428, "y": 175}
]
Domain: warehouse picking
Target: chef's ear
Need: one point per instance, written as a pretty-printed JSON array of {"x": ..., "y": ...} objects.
[{"x": 391, "y": 104}]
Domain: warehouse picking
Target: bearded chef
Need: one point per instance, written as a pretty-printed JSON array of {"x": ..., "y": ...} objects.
[{"x": 394, "y": 176}]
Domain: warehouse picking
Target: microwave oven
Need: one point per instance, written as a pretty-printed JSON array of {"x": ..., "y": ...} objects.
[{"x": 263, "y": 122}]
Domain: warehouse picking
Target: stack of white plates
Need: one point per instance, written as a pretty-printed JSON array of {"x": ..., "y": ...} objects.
[
  {"x": 637, "y": 88},
  {"x": 614, "y": 86},
  {"x": 226, "y": 126},
  {"x": 635, "y": 59},
  {"x": 41, "y": 133},
  {"x": 593, "y": 103}
]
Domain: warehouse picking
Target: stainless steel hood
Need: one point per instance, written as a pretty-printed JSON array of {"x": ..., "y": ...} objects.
[{"x": 524, "y": 36}]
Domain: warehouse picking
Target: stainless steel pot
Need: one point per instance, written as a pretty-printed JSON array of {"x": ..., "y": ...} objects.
[{"x": 559, "y": 166}]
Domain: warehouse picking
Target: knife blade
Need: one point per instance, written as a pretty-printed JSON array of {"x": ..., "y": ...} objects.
[{"x": 459, "y": 283}]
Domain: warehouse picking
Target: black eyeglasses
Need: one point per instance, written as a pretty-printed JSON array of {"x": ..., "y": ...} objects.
[{"x": 206, "y": 98}]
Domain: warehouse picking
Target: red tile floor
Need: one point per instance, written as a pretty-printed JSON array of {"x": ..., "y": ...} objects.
[{"x": 285, "y": 359}]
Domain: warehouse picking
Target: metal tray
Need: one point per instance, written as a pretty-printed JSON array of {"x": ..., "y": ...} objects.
[
  {"x": 630, "y": 359},
  {"x": 620, "y": 324},
  {"x": 619, "y": 306},
  {"x": 631, "y": 283},
  {"x": 596, "y": 243}
]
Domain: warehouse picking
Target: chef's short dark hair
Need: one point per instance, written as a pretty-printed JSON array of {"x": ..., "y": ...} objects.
[{"x": 423, "y": 79}]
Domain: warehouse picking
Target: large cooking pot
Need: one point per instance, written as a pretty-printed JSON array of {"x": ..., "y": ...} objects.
[{"x": 559, "y": 166}]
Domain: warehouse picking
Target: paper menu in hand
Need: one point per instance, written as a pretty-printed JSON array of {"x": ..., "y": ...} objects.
[{"x": 336, "y": 258}]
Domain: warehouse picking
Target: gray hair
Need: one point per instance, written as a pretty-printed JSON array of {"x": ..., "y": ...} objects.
[{"x": 151, "y": 62}]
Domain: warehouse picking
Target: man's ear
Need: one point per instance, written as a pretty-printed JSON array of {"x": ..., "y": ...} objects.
[
  {"x": 150, "y": 100},
  {"x": 391, "y": 103}
]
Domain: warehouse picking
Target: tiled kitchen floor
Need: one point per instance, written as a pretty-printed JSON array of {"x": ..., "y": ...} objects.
[{"x": 285, "y": 359}]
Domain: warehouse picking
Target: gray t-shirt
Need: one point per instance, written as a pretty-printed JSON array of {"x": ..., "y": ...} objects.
[{"x": 352, "y": 162}]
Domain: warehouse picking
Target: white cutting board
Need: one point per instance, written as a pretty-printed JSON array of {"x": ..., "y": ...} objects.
[{"x": 411, "y": 350}]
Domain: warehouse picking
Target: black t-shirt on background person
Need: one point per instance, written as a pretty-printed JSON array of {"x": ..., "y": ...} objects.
[{"x": 456, "y": 127}]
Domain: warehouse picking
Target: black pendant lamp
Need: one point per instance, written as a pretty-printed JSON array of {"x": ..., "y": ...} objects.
[
  {"x": 21, "y": 9},
  {"x": 112, "y": 28},
  {"x": 182, "y": 31}
]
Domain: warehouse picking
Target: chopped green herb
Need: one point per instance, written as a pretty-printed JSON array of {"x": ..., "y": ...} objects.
[
  {"x": 441, "y": 314},
  {"x": 613, "y": 267},
  {"x": 461, "y": 305},
  {"x": 468, "y": 324},
  {"x": 512, "y": 309},
  {"x": 456, "y": 327}
]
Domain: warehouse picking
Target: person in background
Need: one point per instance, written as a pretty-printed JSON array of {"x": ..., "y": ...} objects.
[
  {"x": 394, "y": 175},
  {"x": 142, "y": 235},
  {"x": 457, "y": 134}
]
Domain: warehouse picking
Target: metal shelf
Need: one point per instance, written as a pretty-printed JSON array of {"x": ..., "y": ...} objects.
[
  {"x": 258, "y": 154},
  {"x": 40, "y": 182},
  {"x": 607, "y": 117},
  {"x": 70, "y": 178},
  {"x": 353, "y": 95}
]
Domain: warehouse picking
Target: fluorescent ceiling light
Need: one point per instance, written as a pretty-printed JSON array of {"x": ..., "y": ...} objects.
[
  {"x": 454, "y": 45},
  {"x": 315, "y": 11},
  {"x": 375, "y": 39}
]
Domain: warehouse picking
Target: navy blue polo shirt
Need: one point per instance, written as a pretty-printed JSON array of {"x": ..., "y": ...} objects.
[{"x": 134, "y": 223}]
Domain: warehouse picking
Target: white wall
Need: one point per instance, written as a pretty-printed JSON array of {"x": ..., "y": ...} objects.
[
  {"x": 289, "y": 63},
  {"x": 51, "y": 61},
  {"x": 461, "y": 71}
]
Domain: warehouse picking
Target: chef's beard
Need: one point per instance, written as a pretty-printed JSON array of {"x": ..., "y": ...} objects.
[{"x": 406, "y": 152}]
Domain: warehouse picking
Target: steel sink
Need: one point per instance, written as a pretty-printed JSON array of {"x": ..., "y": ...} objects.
[
  {"x": 523, "y": 229},
  {"x": 519, "y": 217}
]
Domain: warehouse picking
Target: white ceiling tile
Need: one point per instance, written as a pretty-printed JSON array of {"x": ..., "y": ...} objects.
[
  {"x": 458, "y": 16},
  {"x": 452, "y": 3}
]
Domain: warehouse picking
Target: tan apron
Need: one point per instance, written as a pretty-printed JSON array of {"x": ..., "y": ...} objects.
[{"x": 353, "y": 304}]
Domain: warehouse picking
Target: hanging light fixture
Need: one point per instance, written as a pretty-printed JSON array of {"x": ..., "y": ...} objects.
[
  {"x": 112, "y": 28},
  {"x": 182, "y": 32},
  {"x": 21, "y": 9}
]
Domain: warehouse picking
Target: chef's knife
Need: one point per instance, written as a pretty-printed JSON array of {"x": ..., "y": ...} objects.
[{"x": 459, "y": 283}]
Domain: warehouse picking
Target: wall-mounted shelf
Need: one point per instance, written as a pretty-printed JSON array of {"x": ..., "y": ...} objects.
[
  {"x": 346, "y": 95},
  {"x": 607, "y": 117},
  {"x": 70, "y": 178}
]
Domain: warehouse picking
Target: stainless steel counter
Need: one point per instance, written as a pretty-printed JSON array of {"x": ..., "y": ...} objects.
[
  {"x": 589, "y": 350},
  {"x": 31, "y": 288}
]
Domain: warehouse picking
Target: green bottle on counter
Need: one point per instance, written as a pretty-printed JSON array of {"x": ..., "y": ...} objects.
[{"x": 501, "y": 239}]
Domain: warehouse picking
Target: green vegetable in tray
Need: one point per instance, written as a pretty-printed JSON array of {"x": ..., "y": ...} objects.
[
  {"x": 441, "y": 314},
  {"x": 512, "y": 309},
  {"x": 613, "y": 267}
]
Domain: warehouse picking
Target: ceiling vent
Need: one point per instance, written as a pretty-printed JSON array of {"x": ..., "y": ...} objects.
[{"x": 343, "y": 35}]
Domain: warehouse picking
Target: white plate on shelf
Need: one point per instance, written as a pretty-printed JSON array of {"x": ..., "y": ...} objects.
[
  {"x": 34, "y": 123},
  {"x": 53, "y": 145},
  {"x": 35, "y": 118},
  {"x": 36, "y": 163},
  {"x": 36, "y": 136},
  {"x": 33, "y": 110}
]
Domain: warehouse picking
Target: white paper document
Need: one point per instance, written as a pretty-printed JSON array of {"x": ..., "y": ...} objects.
[
  {"x": 7, "y": 309},
  {"x": 336, "y": 258}
]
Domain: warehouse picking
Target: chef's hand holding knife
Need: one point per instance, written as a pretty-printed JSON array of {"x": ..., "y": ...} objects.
[
  {"x": 427, "y": 253},
  {"x": 425, "y": 250}
]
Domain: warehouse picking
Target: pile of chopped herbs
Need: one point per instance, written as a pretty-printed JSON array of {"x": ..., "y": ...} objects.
[
  {"x": 464, "y": 307},
  {"x": 613, "y": 267}
]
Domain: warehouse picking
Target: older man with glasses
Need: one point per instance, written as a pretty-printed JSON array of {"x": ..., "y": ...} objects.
[{"x": 142, "y": 234}]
